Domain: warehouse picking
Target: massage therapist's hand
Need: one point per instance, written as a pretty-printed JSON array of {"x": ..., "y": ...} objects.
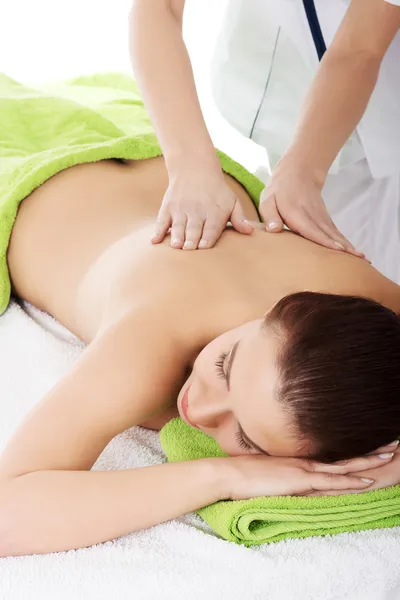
[
  {"x": 293, "y": 197},
  {"x": 256, "y": 475},
  {"x": 197, "y": 206}
]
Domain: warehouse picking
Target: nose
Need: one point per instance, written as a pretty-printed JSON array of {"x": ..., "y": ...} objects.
[{"x": 207, "y": 408}]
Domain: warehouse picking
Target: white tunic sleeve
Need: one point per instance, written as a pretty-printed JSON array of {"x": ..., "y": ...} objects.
[{"x": 396, "y": 2}]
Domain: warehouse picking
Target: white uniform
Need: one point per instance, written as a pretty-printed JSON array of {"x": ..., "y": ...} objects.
[{"x": 264, "y": 63}]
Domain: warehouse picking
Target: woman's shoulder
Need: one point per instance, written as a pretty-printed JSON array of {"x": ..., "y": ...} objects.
[{"x": 355, "y": 276}]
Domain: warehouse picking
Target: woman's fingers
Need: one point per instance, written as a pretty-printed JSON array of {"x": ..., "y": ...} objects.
[
  {"x": 388, "y": 448},
  {"x": 327, "y": 482},
  {"x": 362, "y": 463},
  {"x": 342, "y": 492}
]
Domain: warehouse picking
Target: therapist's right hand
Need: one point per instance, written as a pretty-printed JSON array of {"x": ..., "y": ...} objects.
[
  {"x": 293, "y": 198},
  {"x": 197, "y": 207}
]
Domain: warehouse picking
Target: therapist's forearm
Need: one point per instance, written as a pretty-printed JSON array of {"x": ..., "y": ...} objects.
[
  {"x": 163, "y": 70},
  {"x": 332, "y": 109}
]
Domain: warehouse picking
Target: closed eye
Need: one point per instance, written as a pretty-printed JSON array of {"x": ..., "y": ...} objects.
[
  {"x": 219, "y": 365},
  {"x": 242, "y": 442}
]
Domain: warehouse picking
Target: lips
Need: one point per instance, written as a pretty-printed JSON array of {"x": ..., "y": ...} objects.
[{"x": 184, "y": 405}]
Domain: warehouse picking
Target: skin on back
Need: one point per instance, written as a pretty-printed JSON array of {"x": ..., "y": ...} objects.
[{"x": 97, "y": 221}]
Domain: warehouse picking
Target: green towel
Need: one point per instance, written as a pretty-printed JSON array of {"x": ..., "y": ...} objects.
[
  {"x": 46, "y": 129},
  {"x": 271, "y": 519}
]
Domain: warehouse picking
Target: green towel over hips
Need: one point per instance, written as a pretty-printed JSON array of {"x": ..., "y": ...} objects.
[
  {"x": 271, "y": 519},
  {"x": 48, "y": 128}
]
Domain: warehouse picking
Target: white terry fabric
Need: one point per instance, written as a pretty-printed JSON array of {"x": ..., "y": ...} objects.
[{"x": 183, "y": 558}]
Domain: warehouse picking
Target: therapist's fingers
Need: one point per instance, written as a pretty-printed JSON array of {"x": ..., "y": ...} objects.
[
  {"x": 162, "y": 226},
  {"x": 325, "y": 222},
  {"x": 194, "y": 230},
  {"x": 178, "y": 231},
  {"x": 239, "y": 221},
  {"x": 328, "y": 227},
  {"x": 325, "y": 234},
  {"x": 308, "y": 228},
  {"x": 212, "y": 231},
  {"x": 270, "y": 213}
]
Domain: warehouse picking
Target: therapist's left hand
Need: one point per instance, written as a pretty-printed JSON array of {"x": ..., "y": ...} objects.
[{"x": 293, "y": 198}]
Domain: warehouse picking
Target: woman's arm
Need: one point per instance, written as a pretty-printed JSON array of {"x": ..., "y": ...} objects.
[
  {"x": 49, "y": 501},
  {"x": 198, "y": 204}
]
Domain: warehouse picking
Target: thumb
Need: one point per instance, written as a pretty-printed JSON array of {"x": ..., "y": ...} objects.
[
  {"x": 238, "y": 220},
  {"x": 270, "y": 214}
]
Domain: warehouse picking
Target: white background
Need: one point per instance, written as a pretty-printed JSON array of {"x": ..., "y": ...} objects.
[{"x": 43, "y": 40}]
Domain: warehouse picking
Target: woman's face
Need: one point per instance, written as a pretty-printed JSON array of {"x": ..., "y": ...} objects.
[{"x": 230, "y": 394}]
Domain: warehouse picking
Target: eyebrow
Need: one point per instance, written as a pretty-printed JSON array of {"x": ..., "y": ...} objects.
[{"x": 228, "y": 385}]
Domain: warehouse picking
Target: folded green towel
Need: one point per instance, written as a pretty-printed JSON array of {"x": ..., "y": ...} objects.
[
  {"x": 271, "y": 519},
  {"x": 46, "y": 129}
]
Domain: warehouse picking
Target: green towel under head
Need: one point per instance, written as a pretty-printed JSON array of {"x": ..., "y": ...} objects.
[{"x": 271, "y": 519}]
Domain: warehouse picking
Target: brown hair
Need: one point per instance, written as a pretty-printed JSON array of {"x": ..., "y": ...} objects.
[{"x": 339, "y": 372}]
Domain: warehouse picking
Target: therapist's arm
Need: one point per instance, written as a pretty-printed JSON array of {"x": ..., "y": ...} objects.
[
  {"x": 164, "y": 73},
  {"x": 198, "y": 203},
  {"x": 344, "y": 83},
  {"x": 331, "y": 111}
]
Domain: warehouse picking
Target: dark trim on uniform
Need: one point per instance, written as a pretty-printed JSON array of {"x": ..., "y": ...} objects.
[
  {"x": 315, "y": 27},
  {"x": 266, "y": 85}
]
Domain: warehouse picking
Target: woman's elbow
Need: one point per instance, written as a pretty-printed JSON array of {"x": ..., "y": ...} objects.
[
  {"x": 163, "y": 4},
  {"x": 11, "y": 538},
  {"x": 175, "y": 7}
]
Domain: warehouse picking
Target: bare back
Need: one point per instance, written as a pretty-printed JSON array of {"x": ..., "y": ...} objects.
[{"x": 81, "y": 250}]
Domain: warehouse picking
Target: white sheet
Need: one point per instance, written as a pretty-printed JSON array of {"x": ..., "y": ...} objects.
[{"x": 182, "y": 558}]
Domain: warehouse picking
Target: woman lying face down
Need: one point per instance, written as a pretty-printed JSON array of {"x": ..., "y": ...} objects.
[{"x": 317, "y": 377}]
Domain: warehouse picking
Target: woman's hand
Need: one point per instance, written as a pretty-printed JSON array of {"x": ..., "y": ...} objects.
[
  {"x": 197, "y": 206},
  {"x": 293, "y": 198},
  {"x": 256, "y": 475},
  {"x": 384, "y": 476}
]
